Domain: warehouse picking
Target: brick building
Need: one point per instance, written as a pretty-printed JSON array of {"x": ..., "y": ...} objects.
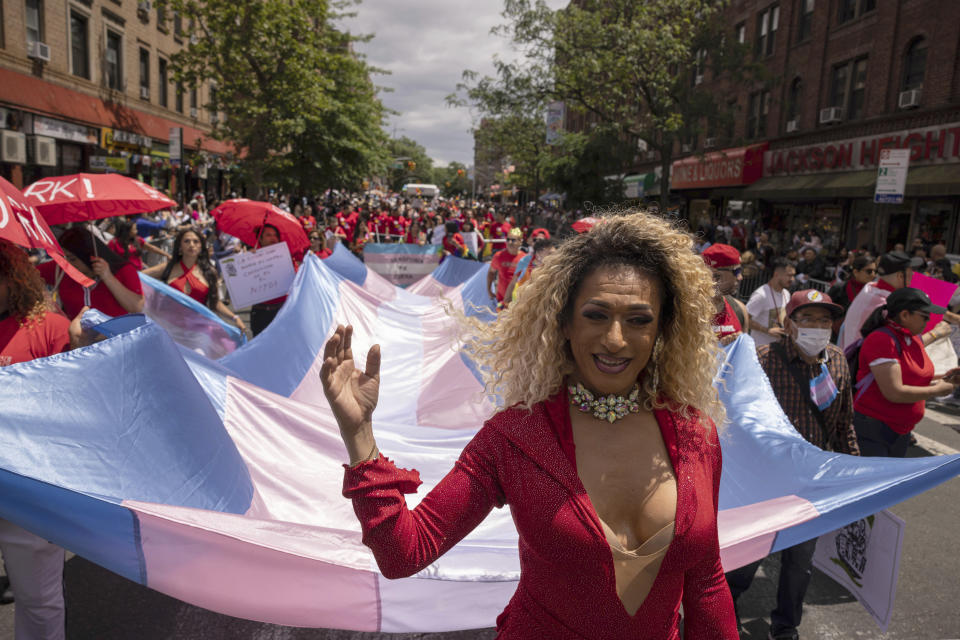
[
  {"x": 845, "y": 79},
  {"x": 85, "y": 85}
]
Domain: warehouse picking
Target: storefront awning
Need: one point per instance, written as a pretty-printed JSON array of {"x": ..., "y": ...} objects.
[{"x": 939, "y": 180}]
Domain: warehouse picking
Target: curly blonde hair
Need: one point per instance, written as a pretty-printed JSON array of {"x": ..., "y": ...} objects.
[
  {"x": 25, "y": 300},
  {"x": 524, "y": 355}
]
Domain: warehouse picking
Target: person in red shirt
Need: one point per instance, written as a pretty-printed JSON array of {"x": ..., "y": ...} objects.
[
  {"x": 318, "y": 245},
  {"x": 415, "y": 235},
  {"x": 606, "y": 371},
  {"x": 30, "y": 330},
  {"x": 503, "y": 265},
  {"x": 895, "y": 375},
  {"x": 126, "y": 243},
  {"x": 731, "y": 316},
  {"x": 117, "y": 290},
  {"x": 308, "y": 222},
  {"x": 453, "y": 242}
]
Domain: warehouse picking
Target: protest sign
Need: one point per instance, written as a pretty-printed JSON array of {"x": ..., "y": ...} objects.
[
  {"x": 401, "y": 264},
  {"x": 864, "y": 557},
  {"x": 256, "y": 276}
]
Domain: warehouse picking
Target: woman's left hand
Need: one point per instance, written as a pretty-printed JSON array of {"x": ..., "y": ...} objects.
[
  {"x": 239, "y": 322},
  {"x": 100, "y": 267}
]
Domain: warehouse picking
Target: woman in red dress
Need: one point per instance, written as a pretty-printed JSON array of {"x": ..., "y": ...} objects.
[
  {"x": 126, "y": 243},
  {"x": 191, "y": 272},
  {"x": 607, "y": 454}
]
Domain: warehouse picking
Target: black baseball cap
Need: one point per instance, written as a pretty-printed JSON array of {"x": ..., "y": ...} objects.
[
  {"x": 897, "y": 261},
  {"x": 910, "y": 299}
]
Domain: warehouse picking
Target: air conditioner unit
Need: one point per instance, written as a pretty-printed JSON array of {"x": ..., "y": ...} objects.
[
  {"x": 831, "y": 114},
  {"x": 145, "y": 93},
  {"x": 651, "y": 155},
  {"x": 143, "y": 6},
  {"x": 642, "y": 145},
  {"x": 698, "y": 79},
  {"x": 214, "y": 118},
  {"x": 909, "y": 99},
  {"x": 13, "y": 147},
  {"x": 792, "y": 125},
  {"x": 709, "y": 143},
  {"x": 193, "y": 112},
  {"x": 38, "y": 51},
  {"x": 686, "y": 148},
  {"x": 43, "y": 151},
  {"x": 194, "y": 38}
]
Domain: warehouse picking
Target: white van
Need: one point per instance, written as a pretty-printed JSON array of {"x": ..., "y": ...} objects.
[{"x": 426, "y": 191}]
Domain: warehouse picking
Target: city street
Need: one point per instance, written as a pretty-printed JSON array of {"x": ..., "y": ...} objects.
[{"x": 104, "y": 606}]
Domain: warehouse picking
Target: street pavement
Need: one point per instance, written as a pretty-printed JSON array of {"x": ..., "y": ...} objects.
[{"x": 103, "y": 606}]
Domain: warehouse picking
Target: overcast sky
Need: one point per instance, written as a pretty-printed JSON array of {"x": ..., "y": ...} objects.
[{"x": 426, "y": 45}]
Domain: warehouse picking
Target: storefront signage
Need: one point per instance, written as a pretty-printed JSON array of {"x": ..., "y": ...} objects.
[
  {"x": 727, "y": 168},
  {"x": 116, "y": 138},
  {"x": 892, "y": 176},
  {"x": 929, "y": 145},
  {"x": 64, "y": 130}
]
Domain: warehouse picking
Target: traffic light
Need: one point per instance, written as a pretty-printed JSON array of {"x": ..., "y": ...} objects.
[
  {"x": 411, "y": 165},
  {"x": 460, "y": 172}
]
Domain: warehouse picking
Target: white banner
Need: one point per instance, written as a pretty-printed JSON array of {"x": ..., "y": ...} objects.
[
  {"x": 864, "y": 557},
  {"x": 892, "y": 176},
  {"x": 256, "y": 276}
]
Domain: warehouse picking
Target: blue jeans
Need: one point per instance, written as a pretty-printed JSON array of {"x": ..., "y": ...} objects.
[
  {"x": 876, "y": 439},
  {"x": 796, "y": 568}
]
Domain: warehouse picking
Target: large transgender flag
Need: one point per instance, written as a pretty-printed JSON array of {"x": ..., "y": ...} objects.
[{"x": 199, "y": 477}]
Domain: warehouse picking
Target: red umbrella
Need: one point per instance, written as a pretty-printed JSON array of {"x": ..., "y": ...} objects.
[
  {"x": 91, "y": 196},
  {"x": 241, "y": 218},
  {"x": 584, "y": 224},
  {"x": 21, "y": 225}
]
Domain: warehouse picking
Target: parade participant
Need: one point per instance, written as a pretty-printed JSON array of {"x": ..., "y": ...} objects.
[
  {"x": 503, "y": 265},
  {"x": 472, "y": 237},
  {"x": 542, "y": 248},
  {"x": 453, "y": 242},
  {"x": 767, "y": 304},
  {"x": 29, "y": 330},
  {"x": 117, "y": 289},
  {"x": 318, "y": 245},
  {"x": 811, "y": 266},
  {"x": 191, "y": 272},
  {"x": 863, "y": 269},
  {"x": 126, "y": 243},
  {"x": 896, "y": 271},
  {"x": 415, "y": 235},
  {"x": 810, "y": 379},
  {"x": 263, "y": 313},
  {"x": 606, "y": 365},
  {"x": 895, "y": 375},
  {"x": 731, "y": 315}
]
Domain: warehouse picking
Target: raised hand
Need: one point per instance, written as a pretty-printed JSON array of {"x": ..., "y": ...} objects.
[{"x": 352, "y": 393}]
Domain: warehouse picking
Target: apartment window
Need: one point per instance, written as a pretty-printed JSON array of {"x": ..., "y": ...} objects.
[
  {"x": 162, "y": 16},
  {"x": 848, "y": 83},
  {"x": 34, "y": 21},
  {"x": 113, "y": 60},
  {"x": 757, "y": 114},
  {"x": 144, "y": 74},
  {"x": 849, "y": 9},
  {"x": 177, "y": 24},
  {"x": 794, "y": 97},
  {"x": 915, "y": 65},
  {"x": 805, "y": 23},
  {"x": 211, "y": 107},
  {"x": 193, "y": 102},
  {"x": 741, "y": 32},
  {"x": 79, "y": 45},
  {"x": 767, "y": 22},
  {"x": 858, "y": 90},
  {"x": 2, "y": 41},
  {"x": 700, "y": 63},
  {"x": 163, "y": 81},
  {"x": 179, "y": 97}
]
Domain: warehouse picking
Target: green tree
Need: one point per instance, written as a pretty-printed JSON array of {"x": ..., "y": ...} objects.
[
  {"x": 407, "y": 162},
  {"x": 633, "y": 65},
  {"x": 295, "y": 99},
  {"x": 452, "y": 179},
  {"x": 583, "y": 162}
]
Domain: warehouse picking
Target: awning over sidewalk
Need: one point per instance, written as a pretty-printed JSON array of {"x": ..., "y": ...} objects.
[{"x": 938, "y": 180}]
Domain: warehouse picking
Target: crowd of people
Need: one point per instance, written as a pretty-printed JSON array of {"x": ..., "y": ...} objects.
[{"x": 615, "y": 326}]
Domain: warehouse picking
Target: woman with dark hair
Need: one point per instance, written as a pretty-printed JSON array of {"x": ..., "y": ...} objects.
[
  {"x": 863, "y": 269},
  {"x": 606, "y": 449},
  {"x": 895, "y": 375},
  {"x": 263, "y": 313},
  {"x": 191, "y": 272},
  {"x": 116, "y": 290},
  {"x": 127, "y": 243}
]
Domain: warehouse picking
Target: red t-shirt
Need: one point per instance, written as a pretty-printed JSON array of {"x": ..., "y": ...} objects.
[
  {"x": 71, "y": 293},
  {"x": 39, "y": 339},
  {"x": 915, "y": 367},
  {"x": 308, "y": 223},
  {"x": 505, "y": 265},
  {"x": 726, "y": 323},
  {"x": 323, "y": 253},
  {"x": 133, "y": 255},
  {"x": 455, "y": 245}
]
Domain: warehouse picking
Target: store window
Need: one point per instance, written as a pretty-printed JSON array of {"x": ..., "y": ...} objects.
[
  {"x": 757, "y": 114},
  {"x": 113, "y": 61},
  {"x": 805, "y": 22},
  {"x": 767, "y": 22},
  {"x": 79, "y": 45},
  {"x": 932, "y": 222},
  {"x": 915, "y": 65},
  {"x": 144, "y": 74},
  {"x": 163, "y": 81},
  {"x": 34, "y": 21}
]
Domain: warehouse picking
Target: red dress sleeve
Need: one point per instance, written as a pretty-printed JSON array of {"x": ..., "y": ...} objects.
[
  {"x": 707, "y": 603},
  {"x": 405, "y": 541}
]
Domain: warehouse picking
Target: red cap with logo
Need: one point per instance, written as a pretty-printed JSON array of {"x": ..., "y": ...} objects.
[
  {"x": 719, "y": 255},
  {"x": 812, "y": 298}
]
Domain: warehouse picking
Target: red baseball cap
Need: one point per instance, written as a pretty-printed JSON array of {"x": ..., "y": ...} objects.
[
  {"x": 812, "y": 298},
  {"x": 719, "y": 255}
]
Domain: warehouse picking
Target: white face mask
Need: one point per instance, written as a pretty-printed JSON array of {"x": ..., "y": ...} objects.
[{"x": 812, "y": 341}]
